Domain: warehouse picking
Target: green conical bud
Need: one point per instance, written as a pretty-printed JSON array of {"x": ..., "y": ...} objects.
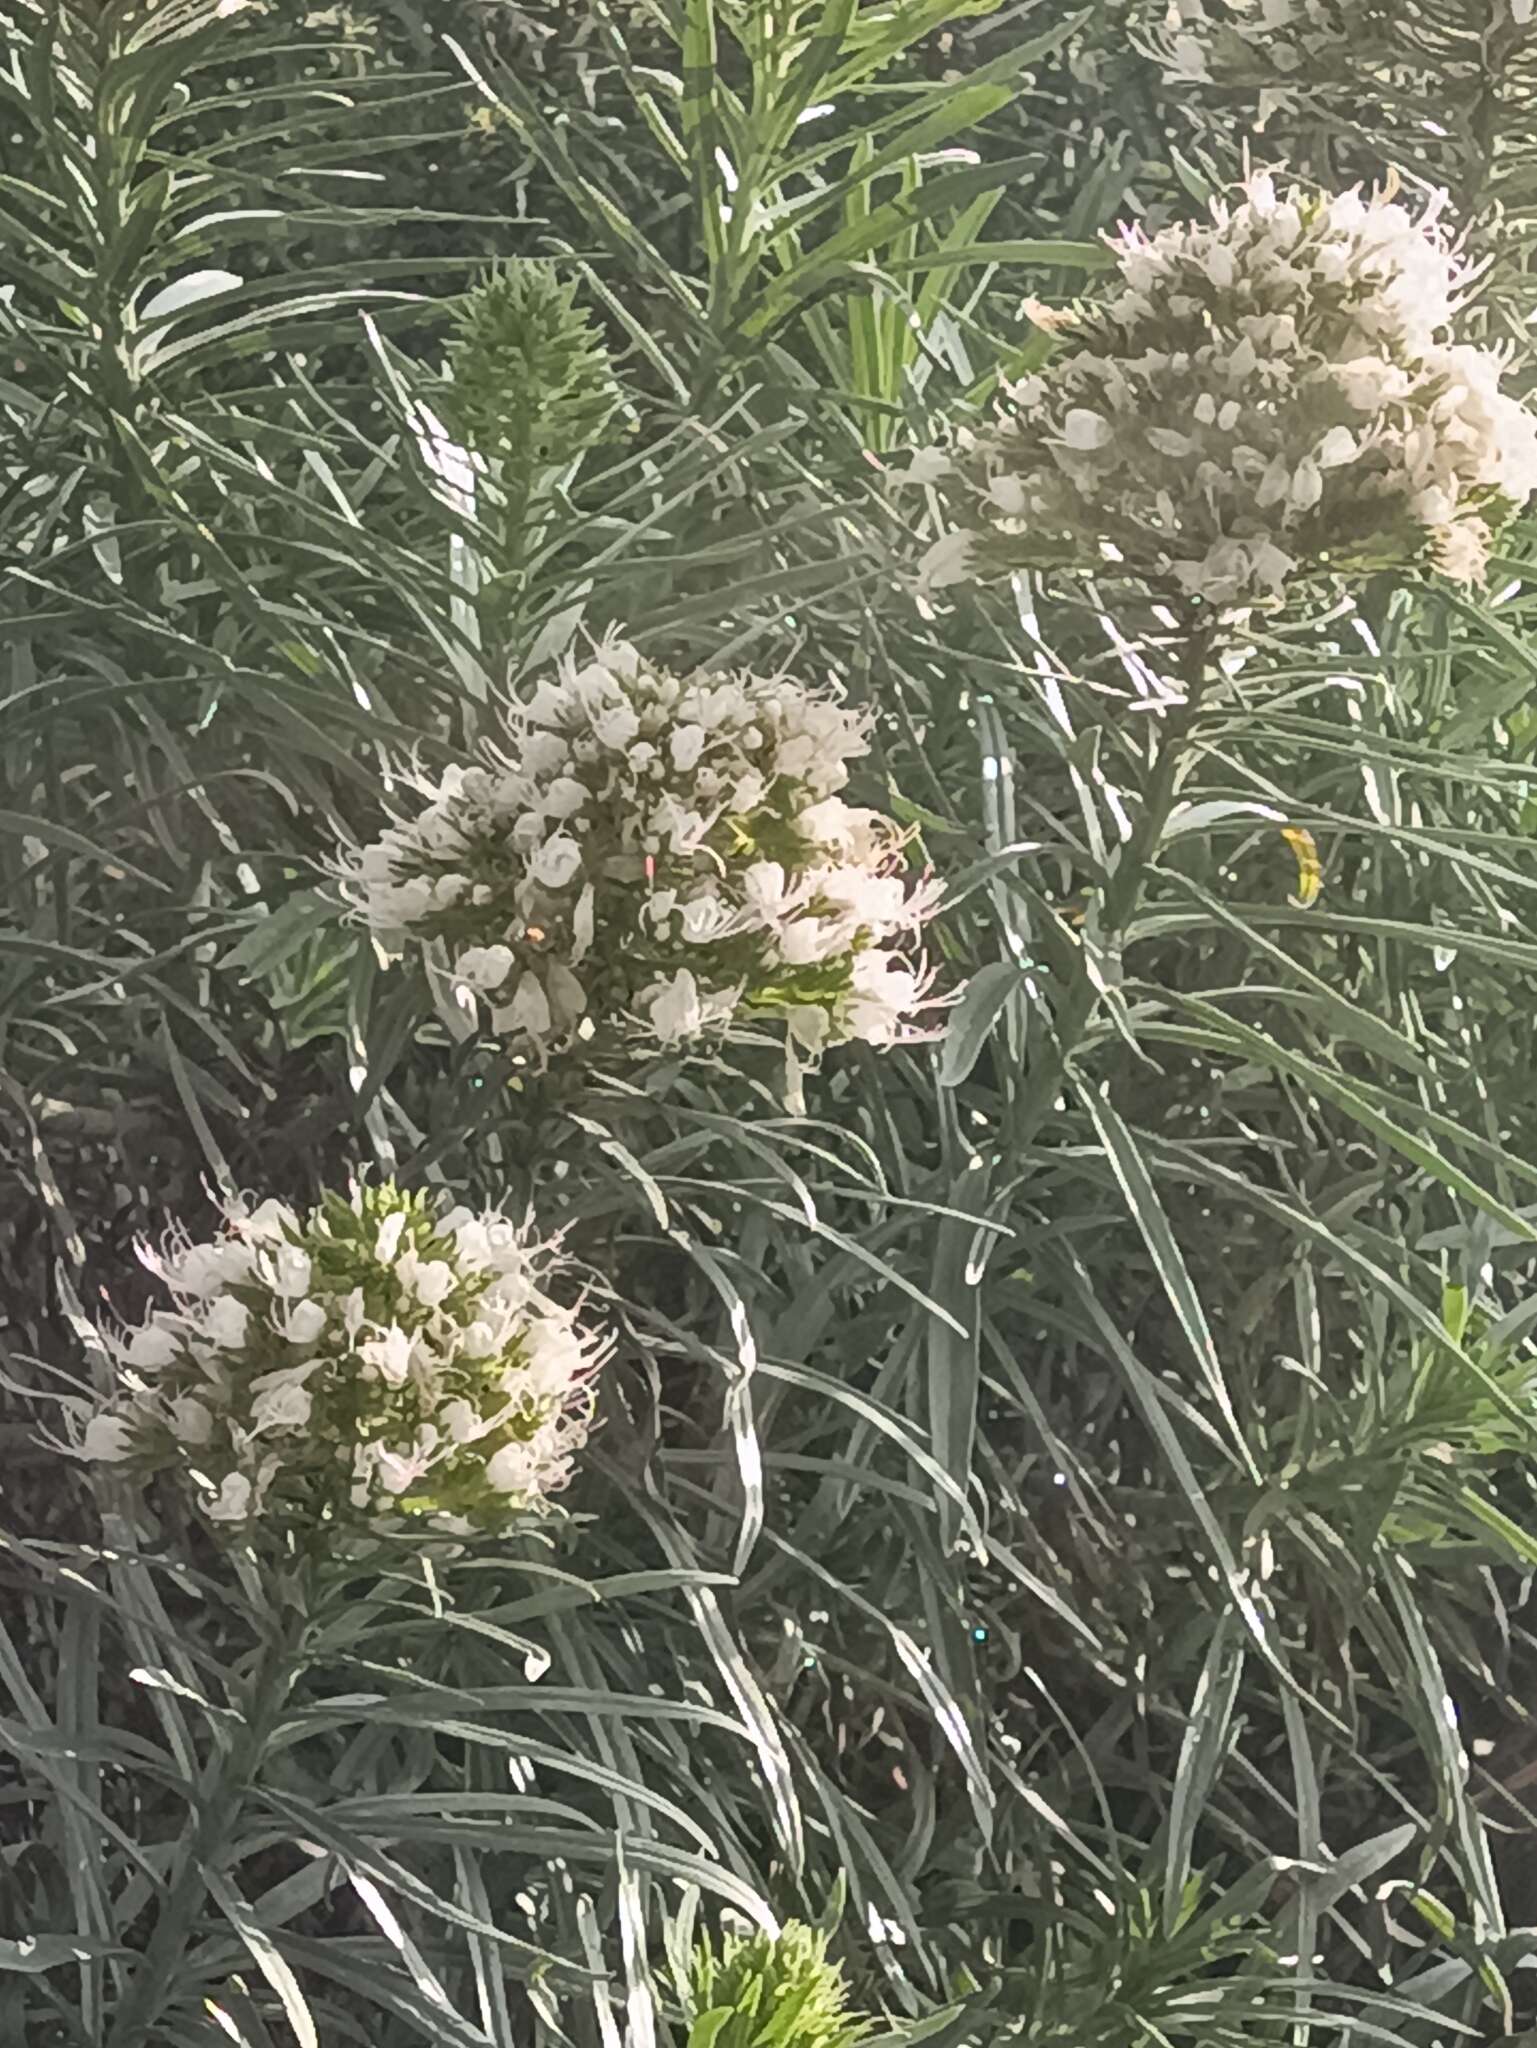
[{"x": 531, "y": 382}]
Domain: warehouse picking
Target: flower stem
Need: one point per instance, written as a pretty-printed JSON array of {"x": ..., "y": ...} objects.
[
  {"x": 205, "y": 1838},
  {"x": 1123, "y": 893}
]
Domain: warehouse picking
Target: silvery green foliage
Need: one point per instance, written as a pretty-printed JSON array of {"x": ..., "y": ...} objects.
[
  {"x": 1269, "y": 398},
  {"x": 1279, "y": 42}
]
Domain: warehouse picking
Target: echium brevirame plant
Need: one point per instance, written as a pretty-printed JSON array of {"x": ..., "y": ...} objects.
[
  {"x": 1038, "y": 1486},
  {"x": 646, "y": 857},
  {"x": 381, "y": 1354},
  {"x": 769, "y": 1988},
  {"x": 1269, "y": 400}
]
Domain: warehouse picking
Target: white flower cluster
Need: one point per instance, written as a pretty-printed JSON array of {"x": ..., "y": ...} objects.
[
  {"x": 375, "y": 1356},
  {"x": 1273, "y": 396},
  {"x": 656, "y": 857}
]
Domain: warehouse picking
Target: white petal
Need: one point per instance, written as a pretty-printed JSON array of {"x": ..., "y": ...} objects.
[
  {"x": 530, "y": 1007},
  {"x": 947, "y": 561},
  {"x": 108, "y": 1439}
]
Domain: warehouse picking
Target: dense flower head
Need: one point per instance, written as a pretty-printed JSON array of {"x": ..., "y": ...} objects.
[
  {"x": 1271, "y": 396},
  {"x": 652, "y": 857},
  {"x": 381, "y": 1354}
]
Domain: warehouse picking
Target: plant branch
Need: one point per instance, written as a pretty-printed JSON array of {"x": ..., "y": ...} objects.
[
  {"x": 1123, "y": 890},
  {"x": 226, "y": 1780}
]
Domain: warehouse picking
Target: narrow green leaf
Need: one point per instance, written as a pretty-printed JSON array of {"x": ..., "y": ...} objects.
[{"x": 1147, "y": 1212}]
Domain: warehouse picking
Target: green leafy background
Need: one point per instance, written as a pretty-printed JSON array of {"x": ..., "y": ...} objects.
[{"x": 1063, "y": 1518}]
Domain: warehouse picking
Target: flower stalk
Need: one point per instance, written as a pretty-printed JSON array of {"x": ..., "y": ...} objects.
[
  {"x": 227, "y": 1778},
  {"x": 1124, "y": 888}
]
